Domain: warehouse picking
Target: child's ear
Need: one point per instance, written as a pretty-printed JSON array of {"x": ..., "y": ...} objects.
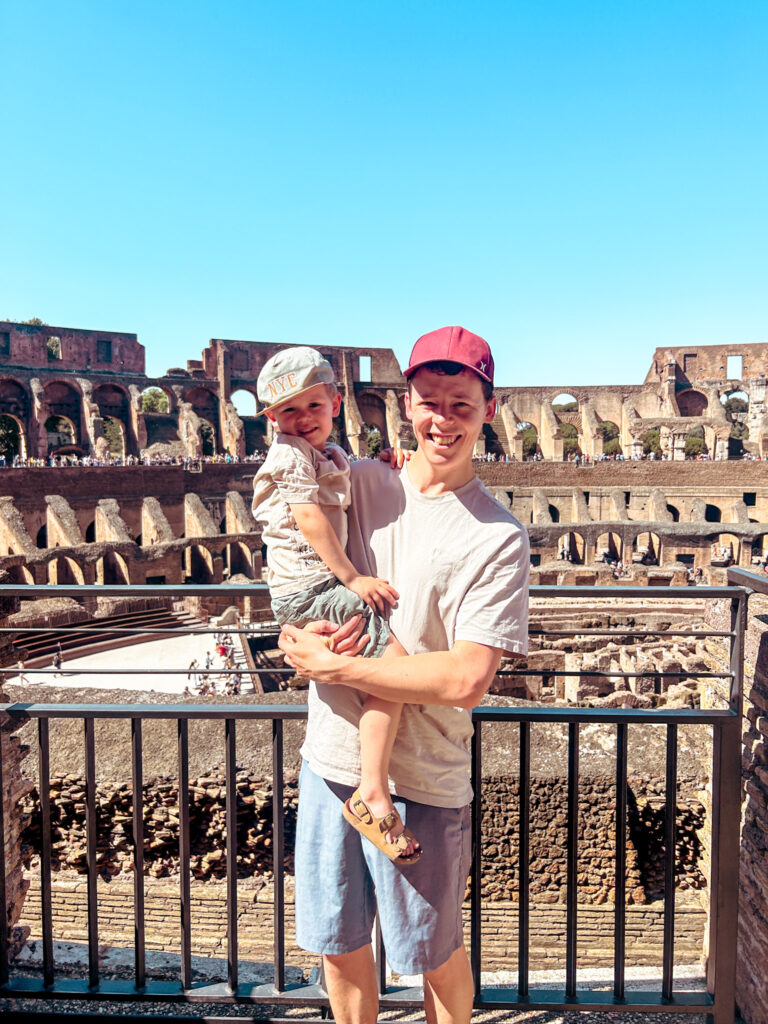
[
  {"x": 270, "y": 416},
  {"x": 335, "y": 409}
]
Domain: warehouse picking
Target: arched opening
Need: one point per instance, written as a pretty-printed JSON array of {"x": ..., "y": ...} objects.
[
  {"x": 725, "y": 551},
  {"x": 736, "y": 405},
  {"x": 712, "y": 514},
  {"x": 254, "y": 426},
  {"x": 674, "y": 512},
  {"x": 154, "y": 400},
  {"x": 692, "y": 403},
  {"x": 373, "y": 441},
  {"x": 90, "y": 532},
  {"x": 41, "y": 539},
  {"x": 112, "y": 570},
  {"x": 237, "y": 559},
  {"x": 206, "y": 404},
  {"x": 60, "y": 433},
  {"x": 695, "y": 444},
  {"x": 14, "y": 404},
  {"x": 646, "y": 549},
  {"x": 610, "y": 434},
  {"x": 492, "y": 442},
  {"x": 207, "y": 437},
  {"x": 114, "y": 432},
  {"x": 651, "y": 442},
  {"x": 374, "y": 414},
  {"x": 554, "y": 513},
  {"x": 65, "y": 402},
  {"x": 564, "y": 403},
  {"x": 65, "y": 571},
  {"x": 608, "y": 547},
  {"x": 12, "y": 440},
  {"x": 530, "y": 439},
  {"x": 566, "y": 409},
  {"x": 199, "y": 565},
  {"x": 160, "y": 423},
  {"x": 19, "y": 574},
  {"x": 570, "y": 548}
]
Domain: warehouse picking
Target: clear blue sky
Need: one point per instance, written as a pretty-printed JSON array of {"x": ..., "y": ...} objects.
[{"x": 577, "y": 181}]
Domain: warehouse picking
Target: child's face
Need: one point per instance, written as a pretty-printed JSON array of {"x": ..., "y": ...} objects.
[{"x": 309, "y": 415}]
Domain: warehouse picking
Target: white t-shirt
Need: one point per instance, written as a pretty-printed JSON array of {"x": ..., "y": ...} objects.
[
  {"x": 460, "y": 563},
  {"x": 295, "y": 472}
]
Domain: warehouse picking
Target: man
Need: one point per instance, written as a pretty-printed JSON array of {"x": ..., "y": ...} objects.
[{"x": 460, "y": 563}]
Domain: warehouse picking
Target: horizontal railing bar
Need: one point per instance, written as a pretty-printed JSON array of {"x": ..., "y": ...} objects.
[
  {"x": 618, "y": 631},
  {"x": 12, "y": 670},
  {"x": 657, "y": 716},
  {"x": 314, "y": 995},
  {"x": 244, "y": 589},
  {"x": 608, "y": 675},
  {"x": 139, "y": 631}
]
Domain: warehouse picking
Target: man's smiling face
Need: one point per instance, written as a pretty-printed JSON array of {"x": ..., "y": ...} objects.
[{"x": 447, "y": 413}]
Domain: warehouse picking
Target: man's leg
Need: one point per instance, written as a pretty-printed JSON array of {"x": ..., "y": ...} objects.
[
  {"x": 449, "y": 991},
  {"x": 350, "y": 981}
]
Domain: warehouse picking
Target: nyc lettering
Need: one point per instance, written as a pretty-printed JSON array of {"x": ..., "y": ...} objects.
[{"x": 280, "y": 385}]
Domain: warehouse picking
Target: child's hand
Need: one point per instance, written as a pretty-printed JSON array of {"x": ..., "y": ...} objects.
[
  {"x": 396, "y": 457},
  {"x": 376, "y": 593}
]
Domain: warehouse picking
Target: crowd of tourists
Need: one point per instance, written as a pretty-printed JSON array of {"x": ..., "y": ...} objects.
[
  {"x": 72, "y": 461},
  {"x": 218, "y": 674}
]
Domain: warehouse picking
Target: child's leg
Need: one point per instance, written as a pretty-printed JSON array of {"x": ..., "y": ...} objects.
[{"x": 378, "y": 727}]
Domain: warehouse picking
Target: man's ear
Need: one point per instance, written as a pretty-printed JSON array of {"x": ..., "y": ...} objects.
[
  {"x": 490, "y": 410},
  {"x": 408, "y": 410}
]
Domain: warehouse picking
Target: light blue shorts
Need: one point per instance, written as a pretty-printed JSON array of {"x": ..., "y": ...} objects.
[{"x": 340, "y": 877}]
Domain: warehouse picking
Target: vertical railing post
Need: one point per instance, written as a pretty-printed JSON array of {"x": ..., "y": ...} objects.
[
  {"x": 185, "y": 894},
  {"x": 44, "y": 784},
  {"x": 620, "y": 912},
  {"x": 91, "y": 841},
  {"x": 524, "y": 873},
  {"x": 572, "y": 855},
  {"x": 670, "y": 852},
  {"x": 726, "y": 831},
  {"x": 231, "y": 816},
  {"x": 137, "y": 772},
  {"x": 278, "y": 852},
  {"x": 3, "y": 893},
  {"x": 476, "y": 881}
]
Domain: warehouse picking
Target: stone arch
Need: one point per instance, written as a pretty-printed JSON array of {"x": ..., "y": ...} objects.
[
  {"x": 63, "y": 399},
  {"x": 112, "y": 569},
  {"x": 199, "y": 564},
  {"x": 205, "y": 403},
  {"x": 255, "y": 427},
  {"x": 570, "y": 547},
  {"x": 736, "y": 405},
  {"x": 19, "y": 574},
  {"x": 651, "y": 442},
  {"x": 611, "y": 434},
  {"x": 646, "y": 549},
  {"x": 566, "y": 409},
  {"x": 65, "y": 571},
  {"x": 695, "y": 443},
  {"x": 530, "y": 438},
  {"x": 61, "y": 433},
  {"x": 725, "y": 550},
  {"x": 674, "y": 511},
  {"x": 41, "y": 538},
  {"x": 712, "y": 513},
  {"x": 207, "y": 437},
  {"x": 90, "y": 532},
  {"x": 114, "y": 407},
  {"x": 115, "y": 434},
  {"x": 608, "y": 546},
  {"x": 13, "y": 440},
  {"x": 492, "y": 442},
  {"x": 692, "y": 403},
  {"x": 554, "y": 513},
  {"x": 238, "y": 560},
  {"x": 374, "y": 413},
  {"x": 160, "y": 404}
]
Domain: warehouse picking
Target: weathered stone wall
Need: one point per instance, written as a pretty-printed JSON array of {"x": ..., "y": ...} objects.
[{"x": 500, "y": 833}]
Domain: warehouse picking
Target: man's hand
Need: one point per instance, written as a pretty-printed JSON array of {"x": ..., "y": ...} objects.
[
  {"x": 315, "y": 649},
  {"x": 376, "y": 593}
]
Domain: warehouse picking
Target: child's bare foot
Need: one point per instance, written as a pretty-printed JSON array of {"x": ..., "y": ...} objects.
[{"x": 380, "y": 805}]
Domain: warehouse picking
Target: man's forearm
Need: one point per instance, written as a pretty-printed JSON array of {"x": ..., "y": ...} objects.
[{"x": 459, "y": 677}]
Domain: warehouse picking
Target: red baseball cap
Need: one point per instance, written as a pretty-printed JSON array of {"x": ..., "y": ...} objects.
[{"x": 453, "y": 345}]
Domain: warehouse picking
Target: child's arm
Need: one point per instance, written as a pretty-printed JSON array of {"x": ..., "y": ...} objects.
[{"x": 317, "y": 530}]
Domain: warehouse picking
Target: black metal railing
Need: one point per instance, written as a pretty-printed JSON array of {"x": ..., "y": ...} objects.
[{"x": 717, "y": 1001}]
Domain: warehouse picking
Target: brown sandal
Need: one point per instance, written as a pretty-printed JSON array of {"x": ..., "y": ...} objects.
[{"x": 376, "y": 829}]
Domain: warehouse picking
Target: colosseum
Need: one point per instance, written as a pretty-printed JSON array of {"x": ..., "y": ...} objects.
[{"x": 646, "y": 506}]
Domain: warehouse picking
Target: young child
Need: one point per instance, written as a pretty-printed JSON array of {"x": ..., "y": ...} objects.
[{"x": 300, "y": 498}]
